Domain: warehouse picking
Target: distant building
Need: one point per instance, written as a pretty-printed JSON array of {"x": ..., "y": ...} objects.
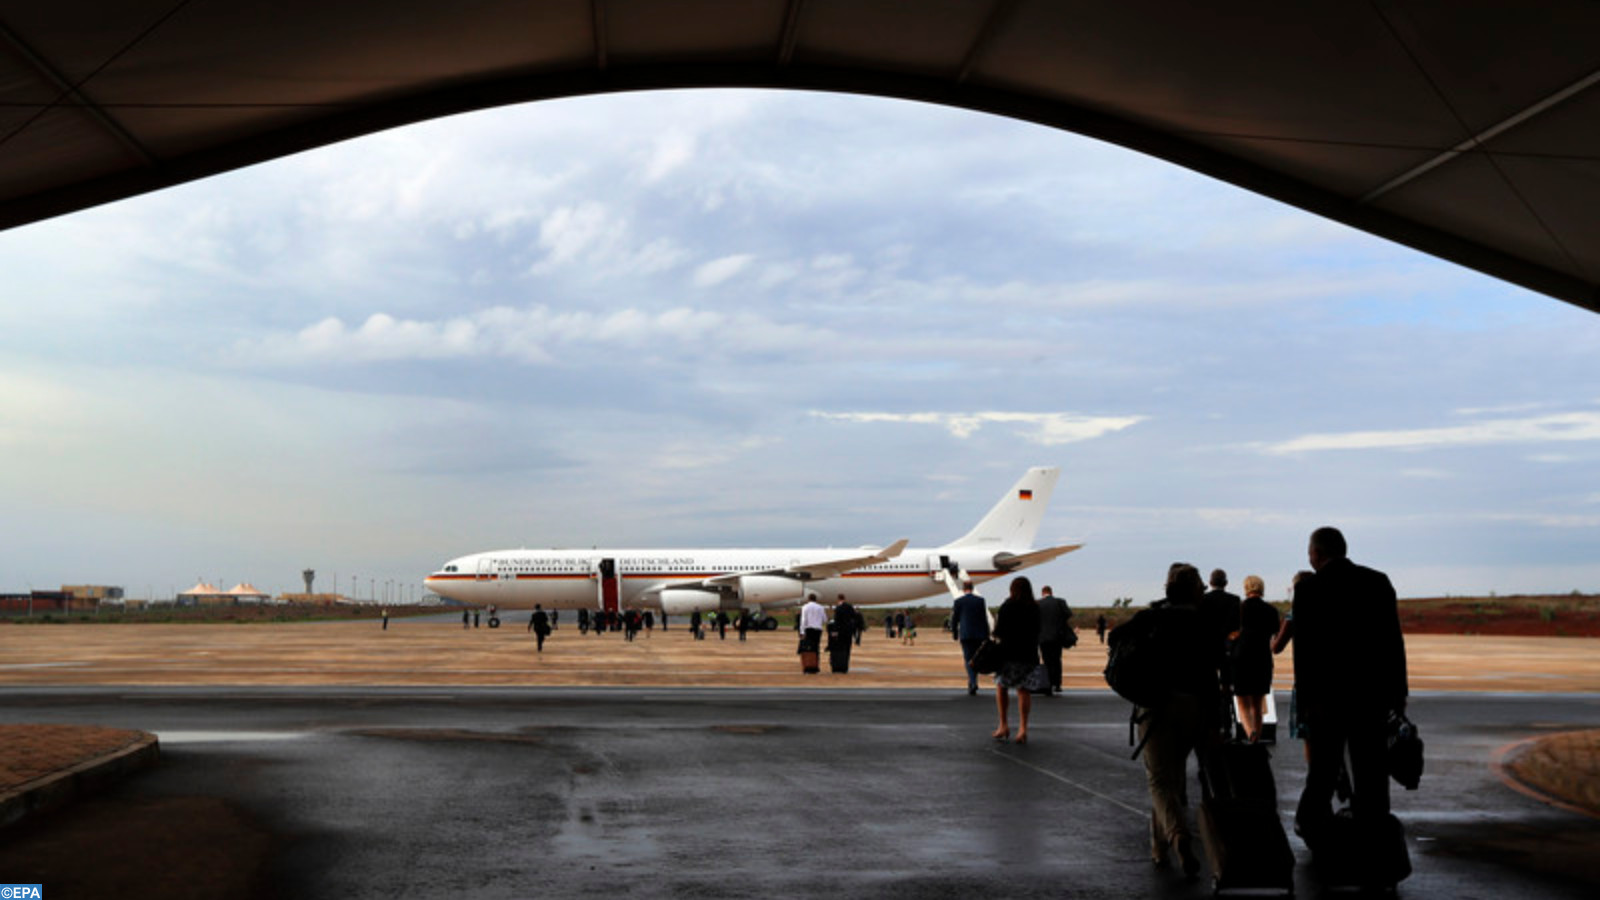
[
  {"x": 36, "y": 602},
  {"x": 246, "y": 593},
  {"x": 203, "y": 594},
  {"x": 94, "y": 594}
]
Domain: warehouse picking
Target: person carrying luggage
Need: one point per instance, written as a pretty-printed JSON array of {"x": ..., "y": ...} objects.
[
  {"x": 1350, "y": 675},
  {"x": 1185, "y": 720}
]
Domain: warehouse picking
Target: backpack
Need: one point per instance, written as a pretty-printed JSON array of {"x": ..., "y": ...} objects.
[
  {"x": 1143, "y": 659},
  {"x": 1138, "y": 665}
]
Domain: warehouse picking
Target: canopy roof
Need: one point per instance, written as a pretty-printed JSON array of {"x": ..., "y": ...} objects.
[{"x": 1464, "y": 128}]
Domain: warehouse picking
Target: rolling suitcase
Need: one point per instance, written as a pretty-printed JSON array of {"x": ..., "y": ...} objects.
[
  {"x": 810, "y": 662},
  {"x": 1239, "y": 824},
  {"x": 1347, "y": 854}
]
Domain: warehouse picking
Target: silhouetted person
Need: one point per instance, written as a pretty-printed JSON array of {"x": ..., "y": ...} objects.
[
  {"x": 1185, "y": 720},
  {"x": 1100, "y": 627},
  {"x": 1054, "y": 621},
  {"x": 841, "y": 634},
  {"x": 539, "y": 624},
  {"x": 1220, "y": 607},
  {"x": 1016, "y": 627},
  {"x": 1349, "y": 674},
  {"x": 970, "y": 628},
  {"x": 1250, "y": 657}
]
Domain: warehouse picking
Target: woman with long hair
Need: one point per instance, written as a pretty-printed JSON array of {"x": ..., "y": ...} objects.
[{"x": 1016, "y": 628}]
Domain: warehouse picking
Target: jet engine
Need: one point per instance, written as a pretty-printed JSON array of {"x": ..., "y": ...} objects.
[
  {"x": 681, "y": 601},
  {"x": 771, "y": 590},
  {"x": 1005, "y": 562}
]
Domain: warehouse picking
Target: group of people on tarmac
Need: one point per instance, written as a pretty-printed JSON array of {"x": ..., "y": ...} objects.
[
  {"x": 1349, "y": 679},
  {"x": 1031, "y": 633}
]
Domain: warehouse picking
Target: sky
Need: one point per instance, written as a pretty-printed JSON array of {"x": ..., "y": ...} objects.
[{"x": 744, "y": 319}]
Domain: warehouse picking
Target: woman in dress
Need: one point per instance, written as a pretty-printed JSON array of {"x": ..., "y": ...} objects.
[
  {"x": 1252, "y": 656},
  {"x": 1016, "y": 629}
]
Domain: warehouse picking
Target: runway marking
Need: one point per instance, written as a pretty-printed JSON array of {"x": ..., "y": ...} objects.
[
  {"x": 214, "y": 737},
  {"x": 1141, "y": 813}
]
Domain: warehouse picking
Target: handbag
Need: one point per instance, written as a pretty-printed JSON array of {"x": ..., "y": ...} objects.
[
  {"x": 986, "y": 659},
  {"x": 1070, "y": 638},
  {"x": 1404, "y": 751}
]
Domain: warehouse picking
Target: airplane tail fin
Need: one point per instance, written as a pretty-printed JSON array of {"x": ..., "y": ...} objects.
[{"x": 1014, "y": 521}]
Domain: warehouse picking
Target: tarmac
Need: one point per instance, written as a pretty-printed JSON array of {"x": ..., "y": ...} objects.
[{"x": 48, "y": 765}]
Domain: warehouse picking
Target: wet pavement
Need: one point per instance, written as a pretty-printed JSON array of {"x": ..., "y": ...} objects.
[{"x": 571, "y": 792}]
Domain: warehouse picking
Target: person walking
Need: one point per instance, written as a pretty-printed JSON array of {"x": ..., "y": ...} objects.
[
  {"x": 466, "y": 618},
  {"x": 1054, "y": 626},
  {"x": 650, "y": 624},
  {"x": 386, "y": 618},
  {"x": 1100, "y": 627},
  {"x": 971, "y": 628},
  {"x": 694, "y": 625},
  {"x": 1186, "y": 721},
  {"x": 539, "y": 624},
  {"x": 908, "y": 634},
  {"x": 840, "y": 635},
  {"x": 742, "y": 624},
  {"x": 1016, "y": 628},
  {"x": 1349, "y": 675},
  {"x": 1250, "y": 657},
  {"x": 1220, "y": 608},
  {"x": 813, "y": 620}
]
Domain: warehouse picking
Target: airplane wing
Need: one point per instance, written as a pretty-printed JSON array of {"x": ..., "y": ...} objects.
[
  {"x": 1011, "y": 562},
  {"x": 817, "y": 570}
]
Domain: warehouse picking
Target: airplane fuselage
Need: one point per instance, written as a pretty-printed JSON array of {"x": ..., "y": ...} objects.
[
  {"x": 577, "y": 579},
  {"x": 685, "y": 581}
]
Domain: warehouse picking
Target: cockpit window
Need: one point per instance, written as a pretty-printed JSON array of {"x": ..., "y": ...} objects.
[{"x": 449, "y": 568}]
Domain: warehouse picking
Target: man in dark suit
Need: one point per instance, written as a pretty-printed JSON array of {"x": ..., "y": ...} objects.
[
  {"x": 1053, "y": 624},
  {"x": 1349, "y": 673},
  {"x": 1220, "y": 608},
  {"x": 970, "y": 625}
]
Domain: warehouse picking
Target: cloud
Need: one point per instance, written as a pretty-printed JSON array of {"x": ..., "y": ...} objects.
[
  {"x": 717, "y": 271},
  {"x": 1047, "y": 429},
  {"x": 671, "y": 151},
  {"x": 533, "y": 335},
  {"x": 1577, "y": 426}
]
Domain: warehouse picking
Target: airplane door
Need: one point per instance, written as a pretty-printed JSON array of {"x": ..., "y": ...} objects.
[
  {"x": 610, "y": 584},
  {"x": 485, "y": 570}
]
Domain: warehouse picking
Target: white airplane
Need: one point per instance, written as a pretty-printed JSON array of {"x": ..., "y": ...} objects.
[{"x": 680, "y": 582}]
